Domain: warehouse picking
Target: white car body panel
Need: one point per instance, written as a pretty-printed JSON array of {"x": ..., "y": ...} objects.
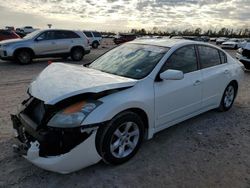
[
  {"x": 165, "y": 103},
  {"x": 51, "y": 88},
  {"x": 81, "y": 156},
  {"x": 182, "y": 97}
]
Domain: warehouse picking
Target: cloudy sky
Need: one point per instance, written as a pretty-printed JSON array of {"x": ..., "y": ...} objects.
[{"x": 122, "y": 15}]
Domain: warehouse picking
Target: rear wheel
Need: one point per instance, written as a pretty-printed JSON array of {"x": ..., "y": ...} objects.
[
  {"x": 95, "y": 45},
  {"x": 228, "y": 97},
  {"x": 77, "y": 54},
  {"x": 24, "y": 57},
  {"x": 119, "y": 141}
]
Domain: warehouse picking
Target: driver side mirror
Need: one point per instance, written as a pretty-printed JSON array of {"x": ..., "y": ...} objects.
[{"x": 171, "y": 74}]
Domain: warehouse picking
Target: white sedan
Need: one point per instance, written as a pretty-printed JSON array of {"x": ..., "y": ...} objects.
[
  {"x": 76, "y": 116},
  {"x": 233, "y": 43}
]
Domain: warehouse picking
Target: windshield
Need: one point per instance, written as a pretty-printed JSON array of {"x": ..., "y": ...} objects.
[
  {"x": 31, "y": 35},
  {"x": 130, "y": 60}
]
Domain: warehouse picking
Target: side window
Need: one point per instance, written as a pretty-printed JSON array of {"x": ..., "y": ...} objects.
[
  {"x": 183, "y": 59},
  {"x": 97, "y": 34},
  {"x": 48, "y": 35},
  {"x": 209, "y": 56},
  {"x": 6, "y": 33},
  {"x": 60, "y": 35},
  {"x": 71, "y": 34},
  {"x": 88, "y": 34},
  {"x": 223, "y": 57}
]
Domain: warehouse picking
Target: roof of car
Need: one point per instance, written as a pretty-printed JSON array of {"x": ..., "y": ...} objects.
[{"x": 165, "y": 42}]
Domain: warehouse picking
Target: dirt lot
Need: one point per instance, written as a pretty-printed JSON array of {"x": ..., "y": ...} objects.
[{"x": 211, "y": 150}]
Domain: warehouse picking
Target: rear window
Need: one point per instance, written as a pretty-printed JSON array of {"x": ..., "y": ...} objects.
[
  {"x": 97, "y": 34},
  {"x": 209, "y": 56},
  {"x": 88, "y": 34}
]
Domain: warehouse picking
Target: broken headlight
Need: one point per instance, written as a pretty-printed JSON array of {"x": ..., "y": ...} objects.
[{"x": 73, "y": 115}]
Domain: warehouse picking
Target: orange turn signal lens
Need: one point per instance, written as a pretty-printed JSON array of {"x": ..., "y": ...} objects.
[{"x": 74, "y": 108}]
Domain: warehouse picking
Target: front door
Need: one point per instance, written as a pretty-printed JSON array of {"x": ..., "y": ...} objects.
[{"x": 177, "y": 99}]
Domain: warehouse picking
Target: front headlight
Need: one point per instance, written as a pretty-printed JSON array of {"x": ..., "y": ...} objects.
[{"x": 73, "y": 115}]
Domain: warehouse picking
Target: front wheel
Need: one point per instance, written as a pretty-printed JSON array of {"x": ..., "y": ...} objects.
[
  {"x": 24, "y": 57},
  {"x": 228, "y": 97},
  {"x": 121, "y": 138}
]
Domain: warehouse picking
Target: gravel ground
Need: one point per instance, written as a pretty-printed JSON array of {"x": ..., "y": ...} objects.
[{"x": 210, "y": 150}]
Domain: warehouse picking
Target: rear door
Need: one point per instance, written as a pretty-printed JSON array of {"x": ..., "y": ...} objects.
[
  {"x": 215, "y": 74},
  {"x": 177, "y": 99}
]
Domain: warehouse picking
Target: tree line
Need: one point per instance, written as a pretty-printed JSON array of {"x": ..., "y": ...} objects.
[{"x": 223, "y": 32}]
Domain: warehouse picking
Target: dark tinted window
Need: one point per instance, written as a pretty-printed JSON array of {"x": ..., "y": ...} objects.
[
  {"x": 88, "y": 34},
  {"x": 223, "y": 57},
  {"x": 6, "y": 33},
  {"x": 72, "y": 34},
  {"x": 209, "y": 56},
  {"x": 48, "y": 35},
  {"x": 97, "y": 34},
  {"x": 65, "y": 35},
  {"x": 183, "y": 59}
]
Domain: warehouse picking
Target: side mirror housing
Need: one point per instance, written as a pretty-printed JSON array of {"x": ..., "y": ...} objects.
[
  {"x": 38, "y": 39},
  {"x": 171, "y": 74}
]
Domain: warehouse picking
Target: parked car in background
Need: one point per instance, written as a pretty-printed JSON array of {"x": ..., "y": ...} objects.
[
  {"x": 27, "y": 29},
  {"x": 243, "y": 55},
  {"x": 10, "y": 28},
  {"x": 8, "y": 34},
  {"x": 123, "y": 37},
  {"x": 213, "y": 39},
  {"x": 75, "y": 116},
  {"x": 46, "y": 43},
  {"x": 243, "y": 42},
  {"x": 232, "y": 43},
  {"x": 205, "y": 38},
  {"x": 94, "y": 37},
  {"x": 220, "y": 40}
]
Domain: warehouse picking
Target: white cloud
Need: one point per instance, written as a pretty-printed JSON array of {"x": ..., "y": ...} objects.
[{"x": 126, "y": 14}]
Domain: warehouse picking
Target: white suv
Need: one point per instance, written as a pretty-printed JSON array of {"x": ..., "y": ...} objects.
[
  {"x": 94, "y": 37},
  {"x": 46, "y": 43}
]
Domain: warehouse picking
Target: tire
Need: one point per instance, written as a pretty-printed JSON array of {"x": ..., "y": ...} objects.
[
  {"x": 95, "y": 45},
  {"x": 120, "y": 139},
  {"x": 228, "y": 97},
  {"x": 23, "y": 57},
  {"x": 77, "y": 54}
]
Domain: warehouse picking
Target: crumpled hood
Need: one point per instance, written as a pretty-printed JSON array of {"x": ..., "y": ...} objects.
[
  {"x": 10, "y": 41},
  {"x": 60, "y": 81}
]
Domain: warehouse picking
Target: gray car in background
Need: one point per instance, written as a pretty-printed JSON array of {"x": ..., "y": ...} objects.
[{"x": 46, "y": 43}]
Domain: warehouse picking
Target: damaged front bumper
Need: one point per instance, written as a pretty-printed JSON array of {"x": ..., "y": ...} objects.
[{"x": 58, "y": 150}]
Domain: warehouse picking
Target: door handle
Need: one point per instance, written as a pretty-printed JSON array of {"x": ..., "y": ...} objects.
[
  {"x": 53, "y": 43},
  {"x": 226, "y": 71},
  {"x": 197, "y": 82}
]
